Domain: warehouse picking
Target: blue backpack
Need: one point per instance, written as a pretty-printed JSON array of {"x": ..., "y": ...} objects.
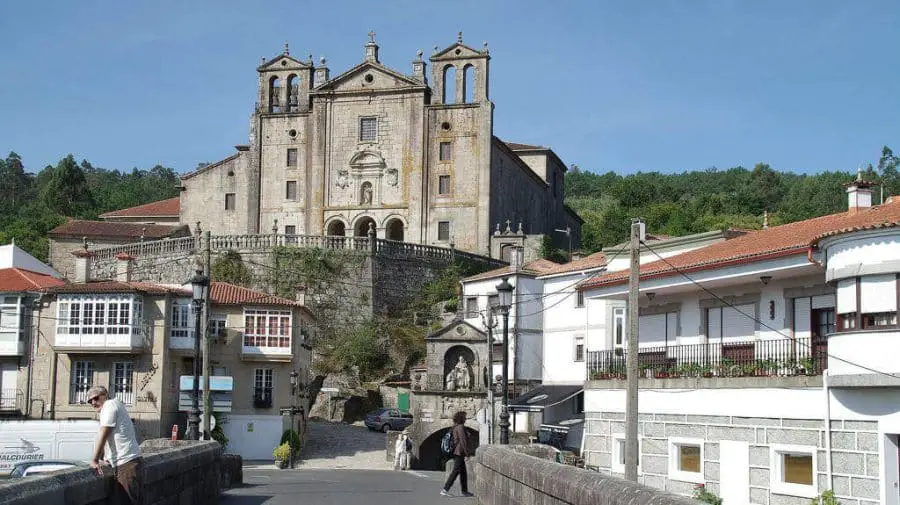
[{"x": 447, "y": 443}]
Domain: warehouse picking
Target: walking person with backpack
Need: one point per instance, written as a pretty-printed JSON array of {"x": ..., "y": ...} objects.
[{"x": 455, "y": 444}]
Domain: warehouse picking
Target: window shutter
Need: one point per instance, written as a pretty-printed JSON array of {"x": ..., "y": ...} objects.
[
  {"x": 671, "y": 327},
  {"x": 713, "y": 324},
  {"x": 878, "y": 293},
  {"x": 823, "y": 302},
  {"x": 802, "y": 317},
  {"x": 652, "y": 329},
  {"x": 737, "y": 324},
  {"x": 846, "y": 296}
]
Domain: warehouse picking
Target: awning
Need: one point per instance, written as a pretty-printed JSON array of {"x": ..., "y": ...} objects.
[{"x": 542, "y": 397}]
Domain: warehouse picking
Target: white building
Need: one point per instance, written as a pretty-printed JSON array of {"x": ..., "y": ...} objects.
[{"x": 767, "y": 363}]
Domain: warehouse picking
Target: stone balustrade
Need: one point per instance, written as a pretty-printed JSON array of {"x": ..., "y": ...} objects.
[
  {"x": 506, "y": 476},
  {"x": 174, "y": 472}
]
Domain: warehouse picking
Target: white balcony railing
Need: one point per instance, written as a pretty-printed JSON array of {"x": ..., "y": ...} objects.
[
  {"x": 10, "y": 345},
  {"x": 134, "y": 340}
]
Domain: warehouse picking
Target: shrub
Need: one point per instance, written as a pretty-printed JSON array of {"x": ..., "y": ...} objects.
[
  {"x": 282, "y": 452},
  {"x": 218, "y": 434},
  {"x": 701, "y": 494},
  {"x": 291, "y": 437},
  {"x": 826, "y": 498}
]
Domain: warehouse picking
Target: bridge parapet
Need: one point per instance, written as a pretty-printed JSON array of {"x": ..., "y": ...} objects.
[
  {"x": 505, "y": 476},
  {"x": 174, "y": 472}
]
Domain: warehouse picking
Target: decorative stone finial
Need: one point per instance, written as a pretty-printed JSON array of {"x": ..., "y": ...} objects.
[
  {"x": 497, "y": 231},
  {"x": 262, "y": 59},
  {"x": 419, "y": 54},
  {"x": 275, "y": 228},
  {"x": 372, "y": 230},
  {"x": 372, "y": 37},
  {"x": 459, "y": 37},
  {"x": 435, "y": 50},
  {"x": 84, "y": 243},
  {"x": 508, "y": 229},
  {"x": 519, "y": 231},
  {"x": 485, "y": 45},
  {"x": 322, "y": 61},
  {"x": 198, "y": 230},
  {"x": 287, "y": 50},
  {"x": 309, "y": 58}
]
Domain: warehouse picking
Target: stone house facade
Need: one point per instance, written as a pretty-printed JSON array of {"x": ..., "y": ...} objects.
[
  {"x": 414, "y": 155},
  {"x": 137, "y": 339}
]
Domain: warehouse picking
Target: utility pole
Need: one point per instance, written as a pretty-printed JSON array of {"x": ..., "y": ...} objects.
[
  {"x": 207, "y": 362},
  {"x": 631, "y": 355}
]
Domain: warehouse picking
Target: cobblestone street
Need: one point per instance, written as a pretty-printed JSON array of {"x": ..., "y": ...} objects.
[{"x": 336, "y": 445}]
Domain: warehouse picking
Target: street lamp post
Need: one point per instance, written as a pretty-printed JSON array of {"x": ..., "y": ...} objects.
[
  {"x": 294, "y": 375},
  {"x": 504, "y": 293},
  {"x": 199, "y": 283}
]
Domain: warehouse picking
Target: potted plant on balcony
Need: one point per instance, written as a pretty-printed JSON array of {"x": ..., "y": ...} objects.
[
  {"x": 807, "y": 366},
  {"x": 281, "y": 454}
]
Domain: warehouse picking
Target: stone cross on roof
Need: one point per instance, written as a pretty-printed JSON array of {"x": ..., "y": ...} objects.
[
  {"x": 287, "y": 51},
  {"x": 372, "y": 36}
]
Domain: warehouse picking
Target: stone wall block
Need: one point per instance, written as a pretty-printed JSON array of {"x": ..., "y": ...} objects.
[
  {"x": 759, "y": 496},
  {"x": 759, "y": 477},
  {"x": 872, "y": 466},
  {"x": 867, "y": 442},
  {"x": 841, "y": 485},
  {"x": 792, "y": 436},
  {"x": 759, "y": 456},
  {"x": 728, "y": 433},
  {"x": 843, "y": 440},
  {"x": 685, "y": 430},
  {"x": 848, "y": 463},
  {"x": 802, "y": 423},
  {"x": 864, "y": 488},
  {"x": 654, "y": 446}
]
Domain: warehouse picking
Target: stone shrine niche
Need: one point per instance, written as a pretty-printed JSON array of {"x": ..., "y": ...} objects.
[
  {"x": 365, "y": 193},
  {"x": 459, "y": 362}
]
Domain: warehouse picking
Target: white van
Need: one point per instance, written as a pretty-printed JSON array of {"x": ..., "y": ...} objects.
[{"x": 37, "y": 440}]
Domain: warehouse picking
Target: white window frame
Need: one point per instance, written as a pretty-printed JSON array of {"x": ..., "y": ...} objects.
[
  {"x": 619, "y": 453},
  {"x": 78, "y": 388},
  {"x": 677, "y": 474},
  {"x": 217, "y": 320},
  {"x": 251, "y": 332},
  {"x": 69, "y": 322},
  {"x": 776, "y": 474},
  {"x": 181, "y": 324},
  {"x": 579, "y": 299},
  {"x": 375, "y": 136},
  {"x": 126, "y": 380},
  {"x": 260, "y": 381},
  {"x": 619, "y": 314},
  {"x": 575, "y": 341},
  {"x": 10, "y": 312}
]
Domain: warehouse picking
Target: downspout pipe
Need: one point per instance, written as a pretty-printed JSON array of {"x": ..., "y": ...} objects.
[{"x": 828, "y": 465}]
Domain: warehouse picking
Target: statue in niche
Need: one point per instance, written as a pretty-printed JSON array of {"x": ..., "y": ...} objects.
[
  {"x": 366, "y": 193},
  {"x": 459, "y": 378},
  {"x": 391, "y": 176}
]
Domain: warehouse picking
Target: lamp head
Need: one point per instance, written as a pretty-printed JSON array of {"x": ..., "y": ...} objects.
[{"x": 504, "y": 293}]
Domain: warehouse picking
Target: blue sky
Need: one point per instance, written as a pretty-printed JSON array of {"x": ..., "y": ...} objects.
[{"x": 625, "y": 86}]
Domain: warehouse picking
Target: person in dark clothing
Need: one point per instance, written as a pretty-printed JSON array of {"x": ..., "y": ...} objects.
[{"x": 460, "y": 452}]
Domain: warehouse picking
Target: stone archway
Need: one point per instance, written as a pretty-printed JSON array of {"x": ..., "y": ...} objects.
[
  {"x": 395, "y": 230},
  {"x": 336, "y": 228},
  {"x": 431, "y": 457},
  {"x": 362, "y": 227}
]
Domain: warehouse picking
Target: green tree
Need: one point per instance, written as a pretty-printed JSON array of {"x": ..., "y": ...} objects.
[
  {"x": 887, "y": 167},
  {"x": 229, "y": 267},
  {"x": 67, "y": 191}
]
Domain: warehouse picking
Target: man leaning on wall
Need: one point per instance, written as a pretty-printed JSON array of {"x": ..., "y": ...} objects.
[{"x": 118, "y": 444}]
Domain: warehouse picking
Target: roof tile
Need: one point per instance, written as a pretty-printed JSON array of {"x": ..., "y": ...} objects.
[
  {"x": 590, "y": 262},
  {"x": 17, "y": 279},
  {"x": 536, "y": 267},
  {"x": 787, "y": 239},
  {"x": 162, "y": 208},
  {"x": 81, "y": 228}
]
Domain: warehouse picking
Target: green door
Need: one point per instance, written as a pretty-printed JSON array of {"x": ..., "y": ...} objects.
[{"x": 403, "y": 401}]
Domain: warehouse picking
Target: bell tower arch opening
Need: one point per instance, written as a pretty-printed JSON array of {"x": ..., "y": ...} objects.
[
  {"x": 274, "y": 94},
  {"x": 448, "y": 81}
]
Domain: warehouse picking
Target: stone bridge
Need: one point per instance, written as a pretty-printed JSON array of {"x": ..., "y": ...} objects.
[{"x": 384, "y": 276}]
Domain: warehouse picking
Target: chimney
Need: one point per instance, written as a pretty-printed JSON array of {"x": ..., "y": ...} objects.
[
  {"x": 515, "y": 258},
  {"x": 859, "y": 193},
  {"x": 123, "y": 267},
  {"x": 82, "y": 265},
  {"x": 418, "y": 66},
  {"x": 321, "y": 75}
]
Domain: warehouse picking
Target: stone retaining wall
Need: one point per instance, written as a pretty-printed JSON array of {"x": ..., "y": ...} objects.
[
  {"x": 174, "y": 472},
  {"x": 508, "y": 477}
]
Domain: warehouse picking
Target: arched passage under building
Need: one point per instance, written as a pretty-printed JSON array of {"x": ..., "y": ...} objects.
[
  {"x": 430, "y": 455},
  {"x": 395, "y": 229},
  {"x": 362, "y": 227},
  {"x": 336, "y": 228}
]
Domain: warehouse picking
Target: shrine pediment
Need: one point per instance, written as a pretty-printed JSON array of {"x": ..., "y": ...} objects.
[
  {"x": 458, "y": 51},
  {"x": 460, "y": 331},
  {"x": 367, "y": 159}
]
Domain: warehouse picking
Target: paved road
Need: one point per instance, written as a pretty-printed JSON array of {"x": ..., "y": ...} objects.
[
  {"x": 341, "y": 487},
  {"x": 337, "y": 445}
]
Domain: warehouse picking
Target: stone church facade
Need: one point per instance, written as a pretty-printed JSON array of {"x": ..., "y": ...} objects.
[{"x": 414, "y": 155}]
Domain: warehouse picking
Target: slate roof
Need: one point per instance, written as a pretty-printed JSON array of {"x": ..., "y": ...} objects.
[
  {"x": 17, "y": 280},
  {"x": 757, "y": 245},
  {"x": 524, "y": 147},
  {"x": 162, "y": 208},
  {"x": 532, "y": 268},
  {"x": 81, "y": 228}
]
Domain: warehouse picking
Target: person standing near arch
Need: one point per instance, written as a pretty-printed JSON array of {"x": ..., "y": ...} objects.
[{"x": 461, "y": 451}]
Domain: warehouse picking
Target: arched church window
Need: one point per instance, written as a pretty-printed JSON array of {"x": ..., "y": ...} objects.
[
  {"x": 449, "y": 84},
  {"x": 293, "y": 84},
  {"x": 274, "y": 94},
  {"x": 469, "y": 84}
]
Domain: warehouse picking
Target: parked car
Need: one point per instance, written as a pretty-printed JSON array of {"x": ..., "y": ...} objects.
[
  {"x": 27, "y": 468},
  {"x": 388, "y": 419}
]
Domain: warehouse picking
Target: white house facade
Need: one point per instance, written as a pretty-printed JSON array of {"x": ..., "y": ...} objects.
[{"x": 766, "y": 364}]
